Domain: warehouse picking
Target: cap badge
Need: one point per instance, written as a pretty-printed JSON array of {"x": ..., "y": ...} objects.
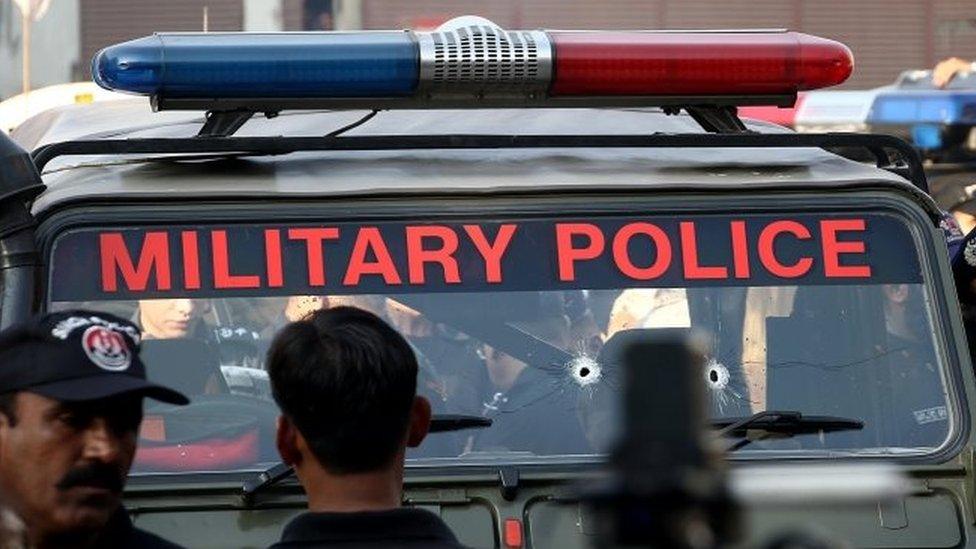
[
  {"x": 106, "y": 348},
  {"x": 951, "y": 228},
  {"x": 969, "y": 253}
]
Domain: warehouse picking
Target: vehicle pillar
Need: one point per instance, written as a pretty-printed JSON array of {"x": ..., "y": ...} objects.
[{"x": 20, "y": 264}]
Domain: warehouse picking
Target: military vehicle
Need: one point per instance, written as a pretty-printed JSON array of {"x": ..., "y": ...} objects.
[{"x": 517, "y": 203}]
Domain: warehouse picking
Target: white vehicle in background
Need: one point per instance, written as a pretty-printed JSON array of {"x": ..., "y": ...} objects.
[
  {"x": 836, "y": 111},
  {"x": 17, "y": 109}
]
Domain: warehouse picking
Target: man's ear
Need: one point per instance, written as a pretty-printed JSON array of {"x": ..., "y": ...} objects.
[
  {"x": 287, "y": 442},
  {"x": 4, "y": 433},
  {"x": 419, "y": 421},
  {"x": 6, "y": 424}
]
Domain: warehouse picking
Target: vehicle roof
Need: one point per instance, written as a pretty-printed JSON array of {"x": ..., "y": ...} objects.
[{"x": 395, "y": 172}]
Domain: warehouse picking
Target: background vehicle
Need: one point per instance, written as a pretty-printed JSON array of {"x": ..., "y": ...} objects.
[
  {"x": 937, "y": 121},
  {"x": 514, "y": 247}
]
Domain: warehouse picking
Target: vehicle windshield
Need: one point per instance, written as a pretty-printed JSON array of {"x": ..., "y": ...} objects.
[{"x": 521, "y": 320}]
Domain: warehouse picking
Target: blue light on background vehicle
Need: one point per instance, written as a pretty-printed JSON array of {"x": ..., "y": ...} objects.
[
  {"x": 931, "y": 107},
  {"x": 927, "y": 136},
  {"x": 203, "y": 65}
]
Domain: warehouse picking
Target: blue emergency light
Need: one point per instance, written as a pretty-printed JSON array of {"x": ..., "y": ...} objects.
[
  {"x": 262, "y": 65},
  {"x": 932, "y": 107},
  {"x": 465, "y": 61}
]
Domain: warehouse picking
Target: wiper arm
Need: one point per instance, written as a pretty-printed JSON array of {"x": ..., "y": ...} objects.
[
  {"x": 440, "y": 423},
  {"x": 781, "y": 423},
  {"x": 444, "y": 423}
]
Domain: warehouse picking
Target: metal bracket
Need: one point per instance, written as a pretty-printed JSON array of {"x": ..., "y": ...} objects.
[
  {"x": 224, "y": 123},
  {"x": 14, "y": 218},
  {"x": 717, "y": 118},
  {"x": 509, "y": 478},
  {"x": 25, "y": 259}
]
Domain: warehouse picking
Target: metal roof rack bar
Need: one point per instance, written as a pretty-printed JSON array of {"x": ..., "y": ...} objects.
[
  {"x": 461, "y": 101},
  {"x": 711, "y": 118},
  {"x": 890, "y": 153}
]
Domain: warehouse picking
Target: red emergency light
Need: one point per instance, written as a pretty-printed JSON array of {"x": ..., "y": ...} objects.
[{"x": 695, "y": 63}]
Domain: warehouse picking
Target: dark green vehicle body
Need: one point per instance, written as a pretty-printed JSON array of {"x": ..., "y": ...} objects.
[{"x": 933, "y": 505}]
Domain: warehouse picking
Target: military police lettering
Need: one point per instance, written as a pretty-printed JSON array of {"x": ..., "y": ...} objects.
[{"x": 529, "y": 254}]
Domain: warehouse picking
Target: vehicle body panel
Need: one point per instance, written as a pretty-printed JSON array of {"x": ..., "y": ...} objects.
[{"x": 208, "y": 510}]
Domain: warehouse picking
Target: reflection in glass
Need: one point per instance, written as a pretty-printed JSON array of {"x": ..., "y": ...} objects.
[{"x": 543, "y": 366}]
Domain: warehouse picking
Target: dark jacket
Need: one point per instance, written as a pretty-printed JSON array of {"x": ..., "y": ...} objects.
[
  {"x": 401, "y": 528},
  {"x": 537, "y": 414},
  {"x": 119, "y": 533}
]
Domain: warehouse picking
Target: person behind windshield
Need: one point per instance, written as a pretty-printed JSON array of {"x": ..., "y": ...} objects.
[
  {"x": 916, "y": 384},
  {"x": 346, "y": 383},
  {"x": 649, "y": 308},
  {"x": 947, "y": 69},
  {"x": 451, "y": 375},
  {"x": 71, "y": 392},
  {"x": 195, "y": 366},
  {"x": 170, "y": 318},
  {"x": 522, "y": 397},
  {"x": 296, "y": 308}
]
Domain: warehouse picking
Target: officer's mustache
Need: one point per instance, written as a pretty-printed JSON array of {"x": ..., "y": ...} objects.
[{"x": 98, "y": 475}]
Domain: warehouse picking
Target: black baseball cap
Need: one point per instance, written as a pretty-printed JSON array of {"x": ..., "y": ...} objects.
[{"x": 74, "y": 356}]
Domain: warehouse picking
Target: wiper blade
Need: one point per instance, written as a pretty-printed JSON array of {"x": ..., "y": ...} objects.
[
  {"x": 443, "y": 423},
  {"x": 781, "y": 424},
  {"x": 440, "y": 423}
]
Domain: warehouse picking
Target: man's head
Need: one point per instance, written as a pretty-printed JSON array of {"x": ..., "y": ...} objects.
[
  {"x": 71, "y": 391},
  {"x": 346, "y": 383},
  {"x": 169, "y": 318}
]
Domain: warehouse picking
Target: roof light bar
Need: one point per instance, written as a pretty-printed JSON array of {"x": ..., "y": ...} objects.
[{"x": 470, "y": 62}]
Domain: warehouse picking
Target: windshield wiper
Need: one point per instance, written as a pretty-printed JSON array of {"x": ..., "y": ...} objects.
[
  {"x": 440, "y": 423},
  {"x": 780, "y": 424}
]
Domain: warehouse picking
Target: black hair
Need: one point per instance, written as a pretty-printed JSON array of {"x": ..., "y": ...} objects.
[{"x": 347, "y": 380}]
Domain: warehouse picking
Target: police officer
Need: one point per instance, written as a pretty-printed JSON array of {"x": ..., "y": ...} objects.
[
  {"x": 346, "y": 383},
  {"x": 963, "y": 259},
  {"x": 71, "y": 392}
]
